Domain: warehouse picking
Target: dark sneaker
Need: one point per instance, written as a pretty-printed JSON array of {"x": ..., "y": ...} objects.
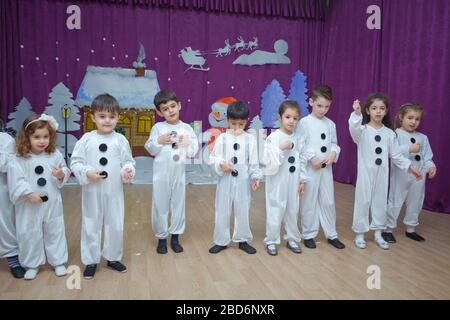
[
  {"x": 162, "y": 246},
  {"x": 388, "y": 237},
  {"x": 247, "y": 248},
  {"x": 89, "y": 272},
  {"x": 116, "y": 265},
  {"x": 175, "y": 245},
  {"x": 310, "y": 243},
  {"x": 217, "y": 249},
  {"x": 336, "y": 243},
  {"x": 17, "y": 272},
  {"x": 414, "y": 236}
]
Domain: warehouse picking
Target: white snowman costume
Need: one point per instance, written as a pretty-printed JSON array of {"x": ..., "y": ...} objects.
[
  {"x": 102, "y": 201},
  {"x": 317, "y": 205},
  {"x": 169, "y": 178},
  {"x": 404, "y": 187},
  {"x": 285, "y": 170},
  {"x": 375, "y": 147},
  {"x": 233, "y": 191},
  {"x": 8, "y": 239},
  {"x": 40, "y": 227}
]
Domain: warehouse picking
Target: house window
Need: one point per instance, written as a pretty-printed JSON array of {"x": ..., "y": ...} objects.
[
  {"x": 123, "y": 120},
  {"x": 144, "y": 124}
]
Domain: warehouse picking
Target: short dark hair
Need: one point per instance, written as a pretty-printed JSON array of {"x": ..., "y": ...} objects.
[
  {"x": 238, "y": 110},
  {"x": 163, "y": 97},
  {"x": 288, "y": 104},
  {"x": 105, "y": 102},
  {"x": 322, "y": 90}
]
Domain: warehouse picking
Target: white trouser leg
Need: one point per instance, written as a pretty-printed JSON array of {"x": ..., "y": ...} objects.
[
  {"x": 91, "y": 229},
  {"x": 378, "y": 206},
  {"x": 414, "y": 203},
  {"x": 160, "y": 208},
  {"x": 223, "y": 208},
  {"x": 177, "y": 208},
  {"x": 327, "y": 211},
  {"x": 310, "y": 216},
  {"x": 114, "y": 220},
  {"x": 8, "y": 239},
  {"x": 291, "y": 216},
  {"x": 241, "y": 209},
  {"x": 55, "y": 242}
]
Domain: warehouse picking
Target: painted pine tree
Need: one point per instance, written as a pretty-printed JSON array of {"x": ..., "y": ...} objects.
[
  {"x": 271, "y": 99},
  {"x": 298, "y": 90},
  {"x": 23, "y": 111}
]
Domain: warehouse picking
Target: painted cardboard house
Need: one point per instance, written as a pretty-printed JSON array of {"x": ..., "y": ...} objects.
[{"x": 135, "y": 94}]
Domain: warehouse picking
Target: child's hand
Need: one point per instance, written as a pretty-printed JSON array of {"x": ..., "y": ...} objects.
[
  {"x": 255, "y": 184},
  {"x": 301, "y": 189},
  {"x": 165, "y": 139},
  {"x": 128, "y": 174},
  {"x": 316, "y": 163},
  {"x": 415, "y": 148},
  {"x": 94, "y": 176},
  {"x": 225, "y": 167},
  {"x": 184, "y": 141},
  {"x": 357, "y": 107},
  {"x": 34, "y": 197},
  {"x": 286, "y": 145},
  {"x": 330, "y": 159},
  {"x": 432, "y": 172},
  {"x": 58, "y": 172},
  {"x": 415, "y": 172}
]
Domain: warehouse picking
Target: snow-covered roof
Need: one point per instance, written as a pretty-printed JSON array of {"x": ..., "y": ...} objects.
[{"x": 129, "y": 90}]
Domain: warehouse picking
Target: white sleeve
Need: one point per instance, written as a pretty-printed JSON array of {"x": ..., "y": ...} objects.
[
  {"x": 152, "y": 145},
  {"x": 334, "y": 144},
  {"x": 309, "y": 153},
  {"x": 396, "y": 154},
  {"x": 126, "y": 159},
  {"x": 78, "y": 163},
  {"x": 272, "y": 155},
  {"x": 428, "y": 156},
  {"x": 303, "y": 161},
  {"x": 354, "y": 125},
  {"x": 18, "y": 185},
  {"x": 254, "y": 170},
  {"x": 216, "y": 157},
  {"x": 60, "y": 161}
]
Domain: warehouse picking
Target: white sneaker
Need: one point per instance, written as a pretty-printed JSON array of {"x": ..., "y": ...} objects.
[
  {"x": 360, "y": 243},
  {"x": 272, "y": 249},
  {"x": 31, "y": 274},
  {"x": 381, "y": 243},
  {"x": 60, "y": 271}
]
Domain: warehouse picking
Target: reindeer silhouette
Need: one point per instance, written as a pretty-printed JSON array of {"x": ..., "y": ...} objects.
[
  {"x": 253, "y": 44},
  {"x": 238, "y": 46},
  {"x": 225, "y": 50}
]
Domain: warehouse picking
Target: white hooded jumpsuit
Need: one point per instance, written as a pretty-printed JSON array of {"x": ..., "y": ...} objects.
[
  {"x": 375, "y": 147},
  {"x": 233, "y": 191},
  {"x": 102, "y": 201},
  {"x": 318, "y": 207},
  {"x": 404, "y": 186},
  {"x": 285, "y": 170},
  {"x": 169, "y": 177}
]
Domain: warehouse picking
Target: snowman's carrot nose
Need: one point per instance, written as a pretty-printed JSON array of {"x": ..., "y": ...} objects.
[{"x": 216, "y": 114}]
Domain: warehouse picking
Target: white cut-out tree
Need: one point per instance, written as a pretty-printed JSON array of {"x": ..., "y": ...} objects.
[
  {"x": 61, "y": 97},
  {"x": 16, "y": 118},
  {"x": 298, "y": 90},
  {"x": 256, "y": 126},
  {"x": 271, "y": 99}
]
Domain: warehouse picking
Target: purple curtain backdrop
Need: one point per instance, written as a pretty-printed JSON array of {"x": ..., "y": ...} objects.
[{"x": 408, "y": 58}]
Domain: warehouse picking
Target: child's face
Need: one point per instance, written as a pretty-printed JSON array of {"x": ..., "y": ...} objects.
[
  {"x": 289, "y": 119},
  {"x": 170, "y": 111},
  {"x": 39, "y": 140},
  {"x": 377, "y": 110},
  {"x": 320, "y": 106},
  {"x": 237, "y": 125},
  {"x": 411, "y": 120},
  {"x": 106, "y": 121}
]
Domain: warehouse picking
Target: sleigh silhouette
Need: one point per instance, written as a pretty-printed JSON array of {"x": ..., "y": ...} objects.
[{"x": 193, "y": 58}]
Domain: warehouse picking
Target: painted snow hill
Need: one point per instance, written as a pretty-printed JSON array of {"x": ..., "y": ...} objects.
[{"x": 129, "y": 90}]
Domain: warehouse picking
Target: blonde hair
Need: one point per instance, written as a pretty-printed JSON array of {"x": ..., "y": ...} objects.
[
  {"x": 23, "y": 139},
  {"x": 404, "y": 110}
]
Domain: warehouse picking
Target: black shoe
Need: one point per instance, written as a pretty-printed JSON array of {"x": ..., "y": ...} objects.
[
  {"x": 336, "y": 243},
  {"x": 162, "y": 246},
  {"x": 414, "y": 236},
  {"x": 388, "y": 237},
  {"x": 89, "y": 272},
  {"x": 175, "y": 245},
  {"x": 117, "y": 265},
  {"x": 247, "y": 248},
  {"x": 310, "y": 243},
  {"x": 216, "y": 249},
  {"x": 17, "y": 272}
]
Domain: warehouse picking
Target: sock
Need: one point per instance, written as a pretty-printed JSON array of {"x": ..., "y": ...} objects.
[
  {"x": 13, "y": 262},
  {"x": 410, "y": 229},
  {"x": 359, "y": 237},
  {"x": 377, "y": 234}
]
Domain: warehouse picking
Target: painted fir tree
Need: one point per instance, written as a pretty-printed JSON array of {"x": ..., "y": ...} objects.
[
  {"x": 298, "y": 90},
  {"x": 271, "y": 99},
  {"x": 23, "y": 111}
]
